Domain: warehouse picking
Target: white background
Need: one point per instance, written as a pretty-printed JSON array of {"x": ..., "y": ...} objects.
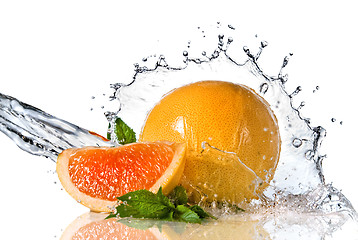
[{"x": 56, "y": 55}]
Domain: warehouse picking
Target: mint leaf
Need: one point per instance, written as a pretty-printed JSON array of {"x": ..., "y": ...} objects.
[
  {"x": 186, "y": 215},
  {"x": 123, "y": 132},
  {"x": 143, "y": 204},
  {"x": 163, "y": 199},
  {"x": 179, "y": 196},
  {"x": 201, "y": 213}
]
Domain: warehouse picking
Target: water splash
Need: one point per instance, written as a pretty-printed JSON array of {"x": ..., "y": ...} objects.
[
  {"x": 40, "y": 133},
  {"x": 299, "y": 173}
]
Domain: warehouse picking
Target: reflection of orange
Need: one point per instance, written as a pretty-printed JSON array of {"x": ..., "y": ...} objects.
[
  {"x": 229, "y": 117},
  {"x": 95, "y": 176}
]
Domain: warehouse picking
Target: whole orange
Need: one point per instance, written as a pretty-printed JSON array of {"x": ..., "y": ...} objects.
[{"x": 232, "y": 137}]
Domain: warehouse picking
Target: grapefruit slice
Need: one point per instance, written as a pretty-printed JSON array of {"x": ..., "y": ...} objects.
[{"x": 96, "y": 176}]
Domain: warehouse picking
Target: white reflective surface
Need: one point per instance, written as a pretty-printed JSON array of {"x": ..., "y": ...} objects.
[{"x": 57, "y": 55}]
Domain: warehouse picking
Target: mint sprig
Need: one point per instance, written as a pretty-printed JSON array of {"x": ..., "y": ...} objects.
[
  {"x": 123, "y": 132},
  {"x": 145, "y": 204}
]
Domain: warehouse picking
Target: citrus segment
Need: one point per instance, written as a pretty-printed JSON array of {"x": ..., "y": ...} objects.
[
  {"x": 229, "y": 117},
  {"x": 96, "y": 176}
]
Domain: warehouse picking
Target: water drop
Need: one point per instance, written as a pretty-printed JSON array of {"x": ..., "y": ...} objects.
[
  {"x": 221, "y": 41},
  {"x": 297, "y": 90},
  {"x": 215, "y": 54},
  {"x": 285, "y": 62},
  {"x": 185, "y": 53},
  {"x": 231, "y": 27},
  {"x": 309, "y": 154},
  {"x": 230, "y": 40},
  {"x": 264, "y": 44},
  {"x": 297, "y": 142},
  {"x": 263, "y": 88},
  {"x": 247, "y": 51},
  {"x": 302, "y": 104},
  {"x": 333, "y": 119},
  {"x": 316, "y": 89},
  {"x": 203, "y": 53}
]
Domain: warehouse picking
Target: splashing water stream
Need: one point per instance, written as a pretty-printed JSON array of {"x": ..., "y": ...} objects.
[{"x": 298, "y": 183}]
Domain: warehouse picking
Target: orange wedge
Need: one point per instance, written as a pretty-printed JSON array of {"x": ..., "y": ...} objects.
[{"x": 96, "y": 176}]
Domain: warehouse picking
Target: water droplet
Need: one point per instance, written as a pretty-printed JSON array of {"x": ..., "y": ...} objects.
[
  {"x": 203, "y": 53},
  {"x": 302, "y": 104},
  {"x": 309, "y": 154},
  {"x": 263, "y": 88},
  {"x": 264, "y": 44},
  {"x": 231, "y": 27},
  {"x": 297, "y": 90},
  {"x": 185, "y": 53},
  {"x": 297, "y": 142},
  {"x": 285, "y": 61},
  {"x": 247, "y": 51},
  {"x": 93, "y": 97},
  {"x": 333, "y": 119},
  {"x": 221, "y": 40},
  {"x": 215, "y": 54}
]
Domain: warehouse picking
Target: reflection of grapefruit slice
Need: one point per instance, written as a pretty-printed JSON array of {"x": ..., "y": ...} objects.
[
  {"x": 96, "y": 176},
  {"x": 91, "y": 226}
]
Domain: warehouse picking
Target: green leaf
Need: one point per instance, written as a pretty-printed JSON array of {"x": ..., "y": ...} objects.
[
  {"x": 145, "y": 204},
  {"x": 163, "y": 199},
  {"x": 124, "y": 133},
  {"x": 178, "y": 196},
  {"x": 142, "y": 204},
  {"x": 186, "y": 215},
  {"x": 201, "y": 213}
]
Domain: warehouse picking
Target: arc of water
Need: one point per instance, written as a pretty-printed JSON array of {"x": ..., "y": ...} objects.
[{"x": 40, "y": 133}]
